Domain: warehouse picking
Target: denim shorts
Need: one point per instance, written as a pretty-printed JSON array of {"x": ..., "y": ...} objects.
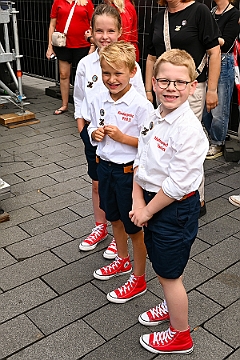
[
  {"x": 170, "y": 234},
  {"x": 115, "y": 191},
  {"x": 90, "y": 152}
]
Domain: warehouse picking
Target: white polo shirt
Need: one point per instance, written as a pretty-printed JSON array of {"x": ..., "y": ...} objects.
[
  {"x": 88, "y": 83},
  {"x": 127, "y": 113},
  {"x": 171, "y": 153}
]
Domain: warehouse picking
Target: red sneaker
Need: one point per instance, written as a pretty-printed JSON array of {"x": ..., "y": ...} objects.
[
  {"x": 98, "y": 234},
  {"x": 155, "y": 316},
  {"x": 170, "y": 341},
  {"x": 111, "y": 251},
  {"x": 135, "y": 286},
  {"x": 117, "y": 267}
]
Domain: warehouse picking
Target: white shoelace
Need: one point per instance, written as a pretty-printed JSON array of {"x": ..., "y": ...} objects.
[
  {"x": 159, "y": 310},
  {"x": 96, "y": 231},
  {"x": 163, "y": 336},
  {"x": 113, "y": 265},
  {"x": 112, "y": 246},
  {"x": 128, "y": 285}
]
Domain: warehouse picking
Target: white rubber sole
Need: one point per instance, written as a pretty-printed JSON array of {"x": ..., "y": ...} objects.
[
  {"x": 122, "y": 301},
  {"x": 150, "y": 323},
  {"x": 104, "y": 277},
  {"x": 92, "y": 247},
  {"x": 154, "y": 351}
]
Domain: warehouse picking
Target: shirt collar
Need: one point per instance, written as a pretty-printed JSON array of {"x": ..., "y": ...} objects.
[
  {"x": 127, "y": 98},
  {"x": 172, "y": 116}
]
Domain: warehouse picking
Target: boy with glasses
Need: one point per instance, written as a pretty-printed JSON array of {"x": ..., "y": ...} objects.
[{"x": 168, "y": 170}]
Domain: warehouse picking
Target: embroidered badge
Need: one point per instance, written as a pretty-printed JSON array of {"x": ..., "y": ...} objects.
[
  {"x": 94, "y": 78},
  {"x": 101, "y": 122},
  {"x": 102, "y": 112},
  {"x": 178, "y": 27},
  {"x": 144, "y": 131},
  {"x": 184, "y": 22},
  {"x": 151, "y": 125}
]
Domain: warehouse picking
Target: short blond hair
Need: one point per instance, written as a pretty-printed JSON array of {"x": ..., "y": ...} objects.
[
  {"x": 179, "y": 58},
  {"x": 119, "y": 53}
]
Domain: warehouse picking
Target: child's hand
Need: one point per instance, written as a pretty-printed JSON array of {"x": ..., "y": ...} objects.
[
  {"x": 113, "y": 132},
  {"x": 140, "y": 216},
  {"x": 98, "y": 135}
]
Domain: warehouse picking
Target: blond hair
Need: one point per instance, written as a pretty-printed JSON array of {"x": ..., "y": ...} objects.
[
  {"x": 120, "y": 4},
  {"x": 176, "y": 57},
  {"x": 119, "y": 53}
]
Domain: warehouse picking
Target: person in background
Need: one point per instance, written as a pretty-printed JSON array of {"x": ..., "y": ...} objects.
[
  {"x": 129, "y": 20},
  {"x": 216, "y": 120},
  {"x": 191, "y": 28},
  {"x": 76, "y": 45},
  {"x": 168, "y": 170},
  {"x": 105, "y": 28}
]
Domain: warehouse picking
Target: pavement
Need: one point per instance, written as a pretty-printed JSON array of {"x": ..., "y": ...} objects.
[{"x": 51, "y": 306}]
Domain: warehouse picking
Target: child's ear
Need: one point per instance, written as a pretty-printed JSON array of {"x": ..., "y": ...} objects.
[
  {"x": 120, "y": 33},
  {"x": 154, "y": 84},
  {"x": 193, "y": 86},
  {"x": 133, "y": 72}
]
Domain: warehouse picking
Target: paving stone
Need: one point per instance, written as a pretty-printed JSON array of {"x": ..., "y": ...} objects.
[
  {"x": 60, "y": 140},
  {"x": 58, "y": 203},
  {"x": 33, "y": 139},
  {"x": 74, "y": 275},
  {"x": 49, "y": 222},
  {"x": 225, "y": 325},
  {"x": 17, "y": 202},
  {"x": 220, "y": 256},
  {"x": 212, "y": 176},
  {"x": 201, "y": 308},
  {"x": 215, "y": 190},
  {"x": 39, "y": 171},
  {"x": 198, "y": 246},
  {"x": 12, "y": 179},
  {"x": 31, "y": 185},
  {"x": 22, "y": 151},
  {"x": 13, "y": 167},
  {"x": 16, "y": 334},
  {"x": 70, "y": 173},
  {"x": 80, "y": 228},
  {"x": 38, "y": 244},
  {"x": 28, "y": 269},
  {"x": 69, "y": 343},
  {"x": 235, "y": 214},
  {"x": 195, "y": 274},
  {"x": 206, "y": 346},
  {"x": 123, "y": 346},
  {"x": 69, "y": 163},
  {"x": 64, "y": 187},
  {"x": 66, "y": 131},
  {"x": 6, "y": 259},
  {"x": 223, "y": 288},
  {"x": 23, "y": 298},
  {"x": 235, "y": 355},
  {"x": 11, "y": 235},
  {"x": 83, "y": 209},
  {"x": 218, "y": 230},
  {"x": 217, "y": 208},
  {"x": 67, "y": 308},
  {"x": 54, "y": 149},
  {"x": 229, "y": 168},
  {"x": 19, "y": 216},
  {"x": 48, "y": 159}
]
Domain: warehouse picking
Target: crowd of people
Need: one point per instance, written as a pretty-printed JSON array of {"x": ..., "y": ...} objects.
[{"x": 146, "y": 164}]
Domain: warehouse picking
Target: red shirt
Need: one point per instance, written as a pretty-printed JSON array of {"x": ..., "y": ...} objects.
[
  {"x": 80, "y": 21},
  {"x": 132, "y": 14}
]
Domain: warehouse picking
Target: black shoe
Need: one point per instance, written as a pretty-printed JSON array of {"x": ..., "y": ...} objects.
[{"x": 203, "y": 210}]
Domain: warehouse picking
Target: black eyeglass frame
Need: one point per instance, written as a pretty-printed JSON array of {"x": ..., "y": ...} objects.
[{"x": 174, "y": 83}]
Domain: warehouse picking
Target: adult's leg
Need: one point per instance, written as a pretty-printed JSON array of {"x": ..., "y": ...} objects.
[{"x": 64, "y": 70}]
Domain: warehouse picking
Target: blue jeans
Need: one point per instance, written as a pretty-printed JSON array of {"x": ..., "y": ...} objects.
[{"x": 216, "y": 121}]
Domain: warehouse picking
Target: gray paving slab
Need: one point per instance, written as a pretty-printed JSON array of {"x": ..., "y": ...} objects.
[
  {"x": 16, "y": 334},
  {"x": 195, "y": 274},
  {"x": 38, "y": 244},
  {"x": 218, "y": 230},
  {"x": 23, "y": 298},
  {"x": 49, "y": 221},
  {"x": 64, "y": 187},
  {"x": 28, "y": 269},
  {"x": 69, "y": 163},
  {"x": 217, "y": 208},
  {"x": 39, "y": 171},
  {"x": 224, "y": 288},
  {"x": 69, "y": 343},
  {"x": 80, "y": 228},
  {"x": 215, "y": 190},
  {"x": 67, "y": 308},
  {"x": 47, "y": 159},
  {"x": 225, "y": 325},
  {"x": 221, "y": 255},
  {"x": 34, "y": 184},
  {"x": 235, "y": 355},
  {"x": 19, "y": 216},
  {"x": 6, "y": 259},
  {"x": 71, "y": 173},
  {"x": 60, "y": 140},
  {"x": 17, "y": 202},
  {"x": 11, "y": 235}
]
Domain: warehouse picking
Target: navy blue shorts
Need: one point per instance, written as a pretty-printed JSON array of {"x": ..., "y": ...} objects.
[
  {"x": 71, "y": 55},
  {"x": 90, "y": 152},
  {"x": 170, "y": 234},
  {"x": 115, "y": 191}
]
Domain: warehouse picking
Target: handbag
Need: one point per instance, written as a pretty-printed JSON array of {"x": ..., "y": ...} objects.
[
  {"x": 59, "y": 39},
  {"x": 168, "y": 44}
]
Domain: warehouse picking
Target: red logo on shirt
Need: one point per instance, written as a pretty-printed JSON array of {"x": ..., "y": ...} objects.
[
  {"x": 125, "y": 116},
  {"x": 161, "y": 144}
]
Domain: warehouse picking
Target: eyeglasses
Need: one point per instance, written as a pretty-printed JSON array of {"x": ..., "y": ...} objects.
[{"x": 179, "y": 85}]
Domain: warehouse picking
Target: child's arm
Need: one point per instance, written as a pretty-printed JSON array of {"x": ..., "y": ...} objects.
[
  {"x": 114, "y": 133},
  {"x": 80, "y": 124},
  {"x": 141, "y": 216}
]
